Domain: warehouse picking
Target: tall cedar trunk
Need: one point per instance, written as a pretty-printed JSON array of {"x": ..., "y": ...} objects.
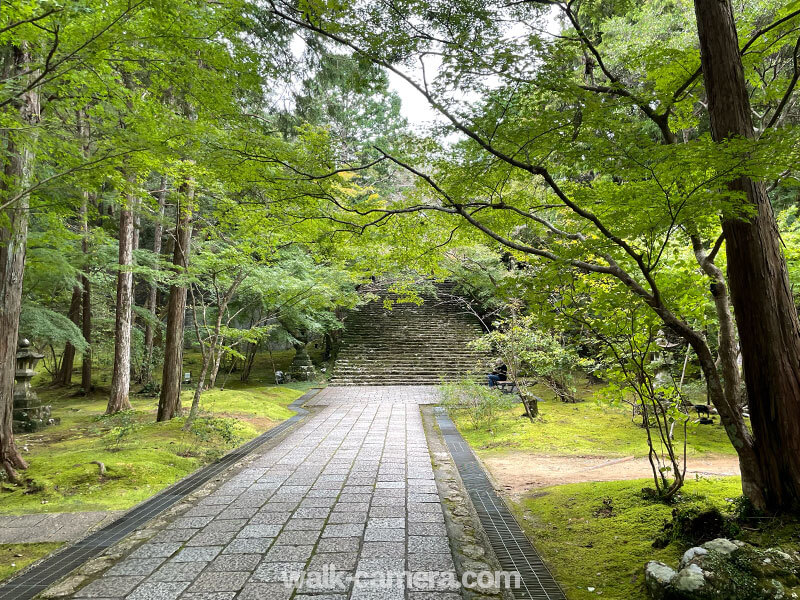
[
  {"x": 121, "y": 375},
  {"x": 18, "y": 173},
  {"x": 86, "y": 301},
  {"x": 769, "y": 331},
  {"x": 152, "y": 298},
  {"x": 68, "y": 360},
  {"x": 169, "y": 403}
]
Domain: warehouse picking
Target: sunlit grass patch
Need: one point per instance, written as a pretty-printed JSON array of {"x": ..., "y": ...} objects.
[
  {"x": 139, "y": 456},
  {"x": 14, "y": 557},
  {"x": 586, "y": 428}
]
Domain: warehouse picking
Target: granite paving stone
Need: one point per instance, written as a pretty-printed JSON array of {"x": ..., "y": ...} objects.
[
  {"x": 209, "y": 596},
  {"x": 338, "y": 544},
  {"x": 344, "y": 561},
  {"x": 289, "y": 553},
  {"x": 135, "y": 566},
  {"x": 109, "y": 587},
  {"x": 269, "y": 518},
  {"x": 157, "y": 550},
  {"x": 194, "y": 553},
  {"x": 210, "y": 510},
  {"x": 343, "y": 530},
  {"x": 308, "y": 536},
  {"x": 173, "y": 535},
  {"x": 436, "y": 529},
  {"x": 430, "y": 561},
  {"x": 259, "y": 531},
  {"x": 220, "y": 581},
  {"x": 418, "y": 543},
  {"x": 348, "y": 517},
  {"x": 265, "y": 591},
  {"x": 304, "y": 524},
  {"x": 270, "y": 572},
  {"x": 225, "y": 525},
  {"x": 211, "y": 538},
  {"x": 384, "y": 535},
  {"x": 158, "y": 590},
  {"x": 234, "y": 562},
  {"x": 178, "y": 571},
  {"x": 248, "y": 546}
]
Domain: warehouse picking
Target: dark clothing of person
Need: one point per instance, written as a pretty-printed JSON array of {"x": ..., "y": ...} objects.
[{"x": 499, "y": 374}]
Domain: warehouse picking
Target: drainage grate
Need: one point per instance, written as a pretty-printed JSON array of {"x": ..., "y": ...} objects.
[
  {"x": 50, "y": 570},
  {"x": 513, "y": 549}
]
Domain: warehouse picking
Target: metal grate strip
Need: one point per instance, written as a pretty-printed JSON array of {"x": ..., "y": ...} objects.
[
  {"x": 513, "y": 549},
  {"x": 35, "y": 580}
]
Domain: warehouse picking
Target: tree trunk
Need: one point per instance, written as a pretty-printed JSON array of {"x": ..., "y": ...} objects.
[
  {"x": 86, "y": 301},
  {"x": 169, "y": 403},
  {"x": 726, "y": 340},
  {"x": 198, "y": 391},
  {"x": 252, "y": 350},
  {"x": 212, "y": 378},
  {"x": 121, "y": 375},
  {"x": 152, "y": 298},
  {"x": 18, "y": 173},
  {"x": 68, "y": 360},
  {"x": 769, "y": 331}
]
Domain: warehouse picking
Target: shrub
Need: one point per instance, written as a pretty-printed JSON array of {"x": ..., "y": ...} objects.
[{"x": 481, "y": 404}]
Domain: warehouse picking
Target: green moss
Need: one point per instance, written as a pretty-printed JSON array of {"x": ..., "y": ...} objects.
[
  {"x": 14, "y": 557},
  {"x": 582, "y": 429},
  {"x": 141, "y": 457},
  {"x": 588, "y": 545}
]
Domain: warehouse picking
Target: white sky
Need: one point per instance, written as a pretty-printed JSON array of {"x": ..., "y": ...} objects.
[{"x": 415, "y": 107}]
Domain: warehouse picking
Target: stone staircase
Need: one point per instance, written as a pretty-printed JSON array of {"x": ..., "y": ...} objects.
[{"x": 408, "y": 345}]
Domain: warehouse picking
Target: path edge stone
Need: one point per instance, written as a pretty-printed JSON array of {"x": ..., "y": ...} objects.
[{"x": 469, "y": 544}]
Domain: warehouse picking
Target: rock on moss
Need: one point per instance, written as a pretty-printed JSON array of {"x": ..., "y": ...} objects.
[{"x": 723, "y": 568}]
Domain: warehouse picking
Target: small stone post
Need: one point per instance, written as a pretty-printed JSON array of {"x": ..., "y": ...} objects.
[
  {"x": 29, "y": 414},
  {"x": 302, "y": 369}
]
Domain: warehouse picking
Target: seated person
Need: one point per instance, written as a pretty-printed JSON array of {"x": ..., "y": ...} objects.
[{"x": 500, "y": 373}]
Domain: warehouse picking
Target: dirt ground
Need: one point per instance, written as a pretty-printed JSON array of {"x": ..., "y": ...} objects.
[{"x": 518, "y": 472}]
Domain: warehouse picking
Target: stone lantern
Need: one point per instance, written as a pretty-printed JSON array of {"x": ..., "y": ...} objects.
[
  {"x": 664, "y": 359},
  {"x": 29, "y": 414},
  {"x": 301, "y": 368}
]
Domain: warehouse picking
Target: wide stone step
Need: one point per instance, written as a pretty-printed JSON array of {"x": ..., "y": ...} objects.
[
  {"x": 408, "y": 351},
  {"x": 408, "y": 344},
  {"x": 368, "y": 361},
  {"x": 400, "y": 371}
]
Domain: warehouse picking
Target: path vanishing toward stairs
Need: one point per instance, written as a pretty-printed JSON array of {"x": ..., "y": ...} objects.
[
  {"x": 352, "y": 486},
  {"x": 345, "y": 505}
]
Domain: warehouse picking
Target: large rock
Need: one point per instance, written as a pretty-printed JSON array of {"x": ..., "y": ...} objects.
[{"x": 724, "y": 569}]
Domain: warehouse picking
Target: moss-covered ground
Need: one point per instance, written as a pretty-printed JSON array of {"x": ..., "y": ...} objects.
[
  {"x": 140, "y": 455},
  {"x": 598, "y": 536},
  {"x": 14, "y": 557},
  {"x": 588, "y": 428}
]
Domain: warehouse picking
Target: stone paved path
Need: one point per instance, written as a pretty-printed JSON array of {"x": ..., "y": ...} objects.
[
  {"x": 52, "y": 527},
  {"x": 351, "y": 487}
]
